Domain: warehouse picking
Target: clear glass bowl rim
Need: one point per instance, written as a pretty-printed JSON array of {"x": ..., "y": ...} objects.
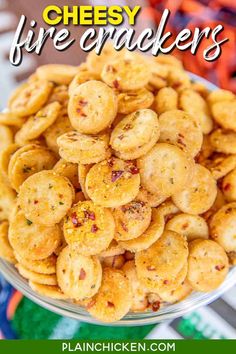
[{"x": 167, "y": 313}]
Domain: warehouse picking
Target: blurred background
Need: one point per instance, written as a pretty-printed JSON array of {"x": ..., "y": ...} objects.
[{"x": 19, "y": 317}]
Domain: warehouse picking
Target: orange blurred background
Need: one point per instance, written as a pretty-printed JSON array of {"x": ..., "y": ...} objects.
[{"x": 203, "y": 13}]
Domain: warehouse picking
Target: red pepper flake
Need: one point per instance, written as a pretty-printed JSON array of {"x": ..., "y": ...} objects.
[
  {"x": 125, "y": 208},
  {"x": 115, "y": 175},
  {"x": 110, "y": 162},
  {"x": 89, "y": 215},
  {"x": 128, "y": 126},
  {"x": 185, "y": 226},
  {"x": 121, "y": 137},
  {"x": 219, "y": 267},
  {"x": 180, "y": 141},
  {"x": 60, "y": 196},
  {"x": 110, "y": 304},
  {"x": 81, "y": 112},
  {"x": 94, "y": 228},
  {"x": 197, "y": 157},
  {"x": 176, "y": 85},
  {"x": 166, "y": 282},
  {"x": 168, "y": 217},
  {"x": 75, "y": 220},
  {"x": 227, "y": 187},
  {"x": 229, "y": 210},
  {"x": 155, "y": 306},
  {"x": 91, "y": 304},
  {"x": 124, "y": 227},
  {"x": 129, "y": 256},
  {"x": 116, "y": 84},
  {"x": 114, "y": 261},
  {"x": 82, "y": 274},
  {"x": 111, "y": 68},
  {"x": 134, "y": 170},
  {"x": 36, "y": 201},
  {"x": 83, "y": 103},
  {"x": 151, "y": 268}
]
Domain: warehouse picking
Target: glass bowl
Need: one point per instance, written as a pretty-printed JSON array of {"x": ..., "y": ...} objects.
[{"x": 168, "y": 312}]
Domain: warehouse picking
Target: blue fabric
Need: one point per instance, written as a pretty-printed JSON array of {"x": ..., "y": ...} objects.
[{"x": 6, "y": 292}]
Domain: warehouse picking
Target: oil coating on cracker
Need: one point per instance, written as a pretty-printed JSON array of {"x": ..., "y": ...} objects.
[{"x": 117, "y": 183}]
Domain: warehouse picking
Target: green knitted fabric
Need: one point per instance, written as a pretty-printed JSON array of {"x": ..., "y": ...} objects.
[{"x": 34, "y": 322}]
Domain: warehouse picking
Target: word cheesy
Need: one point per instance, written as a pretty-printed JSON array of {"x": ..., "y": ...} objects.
[{"x": 89, "y": 15}]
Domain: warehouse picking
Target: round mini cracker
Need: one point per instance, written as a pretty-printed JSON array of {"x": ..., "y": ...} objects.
[
  {"x": 164, "y": 259},
  {"x": 165, "y": 169},
  {"x": 113, "y": 183},
  {"x": 29, "y": 163},
  {"x": 126, "y": 74},
  {"x": 224, "y": 114},
  {"x": 89, "y": 228},
  {"x": 60, "y": 94},
  {"x": 37, "y": 124},
  {"x": 114, "y": 298},
  {"x": 68, "y": 170},
  {"x": 207, "y": 265},
  {"x": 86, "y": 149},
  {"x": 151, "y": 234},
  {"x": 223, "y": 141},
  {"x": 6, "y": 251},
  {"x": 29, "y": 97},
  {"x": 45, "y": 279},
  {"x": 229, "y": 186},
  {"x": 19, "y": 151},
  {"x": 52, "y": 291},
  {"x": 220, "y": 166},
  {"x": 218, "y": 203},
  {"x": 43, "y": 266},
  {"x": 199, "y": 194},
  {"x": 7, "y": 199},
  {"x": 32, "y": 241},
  {"x": 181, "y": 129},
  {"x": 60, "y": 74},
  {"x": 82, "y": 173},
  {"x": 193, "y": 103},
  {"x": 131, "y": 220},
  {"x": 5, "y": 156},
  {"x": 222, "y": 227},
  {"x": 80, "y": 78},
  {"x": 164, "y": 286},
  {"x": 95, "y": 62},
  {"x": 131, "y": 101},
  {"x": 11, "y": 119},
  {"x": 6, "y": 136},
  {"x": 61, "y": 126},
  {"x": 220, "y": 96},
  {"x": 166, "y": 100},
  {"x": 139, "y": 298},
  {"x": 78, "y": 276},
  {"x": 134, "y": 132},
  {"x": 177, "y": 78},
  {"x": 191, "y": 226},
  {"x": 92, "y": 107},
  {"x": 46, "y": 197},
  {"x": 177, "y": 294}
]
